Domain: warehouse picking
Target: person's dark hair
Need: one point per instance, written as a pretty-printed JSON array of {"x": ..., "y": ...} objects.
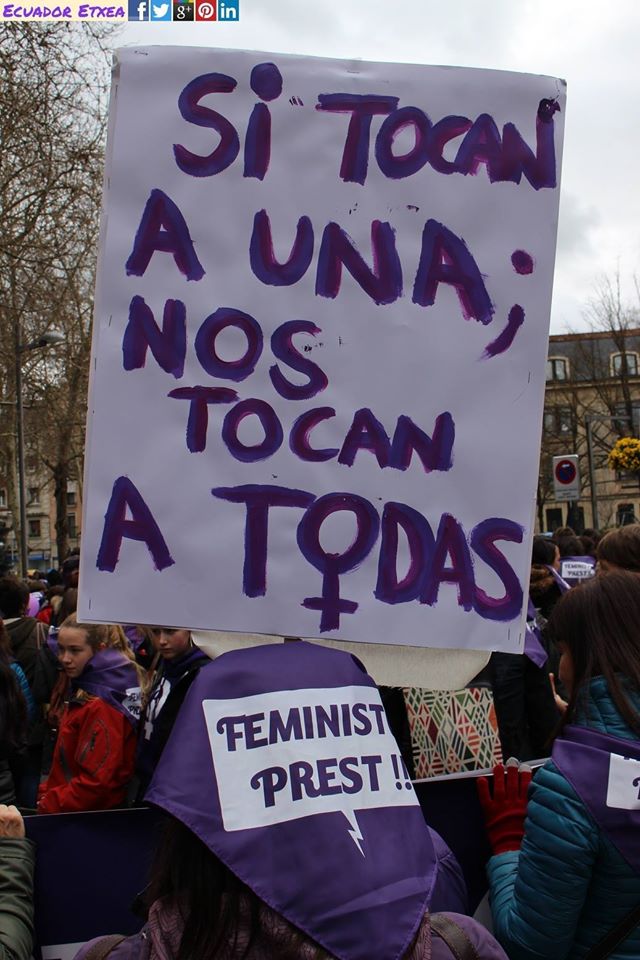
[
  {"x": 593, "y": 534},
  {"x": 588, "y": 546},
  {"x": 36, "y": 585},
  {"x": 54, "y": 578},
  {"x": 70, "y": 569},
  {"x": 543, "y": 551},
  {"x": 14, "y": 596},
  {"x": 221, "y": 915},
  {"x": 13, "y": 709},
  {"x": 56, "y": 591},
  {"x": 570, "y": 547},
  {"x": 68, "y": 605},
  {"x": 599, "y": 624},
  {"x": 621, "y": 547},
  {"x": 563, "y": 532}
]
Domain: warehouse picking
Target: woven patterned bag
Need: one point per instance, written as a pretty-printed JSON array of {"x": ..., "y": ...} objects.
[{"x": 452, "y": 730}]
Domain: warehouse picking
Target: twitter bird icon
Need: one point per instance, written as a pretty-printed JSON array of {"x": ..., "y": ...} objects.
[{"x": 161, "y": 11}]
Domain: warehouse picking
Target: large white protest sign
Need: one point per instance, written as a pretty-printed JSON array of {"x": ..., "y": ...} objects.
[
  {"x": 298, "y": 753},
  {"x": 319, "y": 349}
]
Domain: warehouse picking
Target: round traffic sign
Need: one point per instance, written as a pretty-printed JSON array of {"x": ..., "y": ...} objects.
[{"x": 565, "y": 471}]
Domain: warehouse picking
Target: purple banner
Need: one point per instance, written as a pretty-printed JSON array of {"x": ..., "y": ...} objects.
[
  {"x": 104, "y": 858},
  {"x": 573, "y": 570},
  {"x": 296, "y": 755},
  {"x": 605, "y": 773}
]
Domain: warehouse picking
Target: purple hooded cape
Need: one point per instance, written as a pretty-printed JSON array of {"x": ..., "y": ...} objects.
[
  {"x": 112, "y": 677},
  {"x": 257, "y": 767},
  {"x": 605, "y": 773}
]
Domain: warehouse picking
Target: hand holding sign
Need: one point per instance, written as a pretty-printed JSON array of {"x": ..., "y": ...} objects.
[
  {"x": 11, "y": 822},
  {"x": 505, "y": 806}
]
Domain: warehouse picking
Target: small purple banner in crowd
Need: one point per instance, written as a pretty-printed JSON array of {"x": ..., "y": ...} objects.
[
  {"x": 573, "y": 570},
  {"x": 605, "y": 773}
]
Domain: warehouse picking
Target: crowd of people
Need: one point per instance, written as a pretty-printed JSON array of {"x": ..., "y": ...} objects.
[
  {"x": 86, "y": 719},
  {"x": 88, "y": 707}
]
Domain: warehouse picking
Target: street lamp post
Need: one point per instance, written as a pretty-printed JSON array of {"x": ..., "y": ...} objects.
[
  {"x": 46, "y": 340},
  {"x": 590, "y": 419}
]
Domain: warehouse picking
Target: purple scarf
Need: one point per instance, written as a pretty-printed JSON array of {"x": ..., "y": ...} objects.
[
  {"x": 174, "y": 669},
  {"x": 533, "y": 648},
  {"x": 112, "y": 677},
  {"x": 282, "y": 762},
  {"x": 562, "y": 584},
  {"x": 605, "y": 773}
]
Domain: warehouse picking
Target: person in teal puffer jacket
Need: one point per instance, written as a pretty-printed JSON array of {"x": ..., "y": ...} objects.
[{"x": 563, "y": 878}]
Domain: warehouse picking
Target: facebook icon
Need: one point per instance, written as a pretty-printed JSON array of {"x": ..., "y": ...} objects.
[{"x": 138, "y": 10}]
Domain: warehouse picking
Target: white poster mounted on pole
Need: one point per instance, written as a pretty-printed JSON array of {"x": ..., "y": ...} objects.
[{"x": 319, "y": 347}]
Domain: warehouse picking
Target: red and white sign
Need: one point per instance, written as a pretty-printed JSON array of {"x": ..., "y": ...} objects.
[{"x": 566, "y": 477}]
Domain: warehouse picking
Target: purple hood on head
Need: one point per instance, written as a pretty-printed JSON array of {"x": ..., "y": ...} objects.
[
  {"x": 282, "y": 762},
  {"x": 173, "y": 670},
  {"x": 112, "y": 677}
]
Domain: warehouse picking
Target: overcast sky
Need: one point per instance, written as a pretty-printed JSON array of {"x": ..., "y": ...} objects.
[{"x": 593, "y": 46}]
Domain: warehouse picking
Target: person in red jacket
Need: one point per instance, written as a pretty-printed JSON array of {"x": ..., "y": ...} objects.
[{"x": 95, "y": 750}]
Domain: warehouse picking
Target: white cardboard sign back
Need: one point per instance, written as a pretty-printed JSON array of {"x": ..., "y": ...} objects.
[{"x": 319, "y": 347}]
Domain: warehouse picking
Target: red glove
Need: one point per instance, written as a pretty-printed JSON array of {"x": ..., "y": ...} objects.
[{"x": 504, "y": 812}]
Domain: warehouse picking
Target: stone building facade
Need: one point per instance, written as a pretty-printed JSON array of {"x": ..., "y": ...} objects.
[{"x": 592, "y": 397}]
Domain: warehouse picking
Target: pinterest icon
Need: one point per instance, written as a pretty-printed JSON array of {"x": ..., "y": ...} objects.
[{"x": 205, "y": 9}]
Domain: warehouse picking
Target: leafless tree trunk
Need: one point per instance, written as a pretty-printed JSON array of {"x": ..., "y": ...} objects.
[{"x": 53, "y": 100}]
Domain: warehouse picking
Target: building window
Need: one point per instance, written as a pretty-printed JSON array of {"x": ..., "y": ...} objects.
[
  {"x": 554, "y": 518},
  {"x": 625, "y": 514},
  {"x": 623, "y": 426},
  {"x": 34, "y": 528},
  {"x": 34, "y": 495},
  {"x": 575, "y": 518},
  {"x": 3, "y": 497},
  {"x": 558, "y": 420},
  {"x": 557, "y": 368},
  {"x": 71, "y": 498},
  {"x": 71, "y": 524},
  {"x": 624, "y": 364}
]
